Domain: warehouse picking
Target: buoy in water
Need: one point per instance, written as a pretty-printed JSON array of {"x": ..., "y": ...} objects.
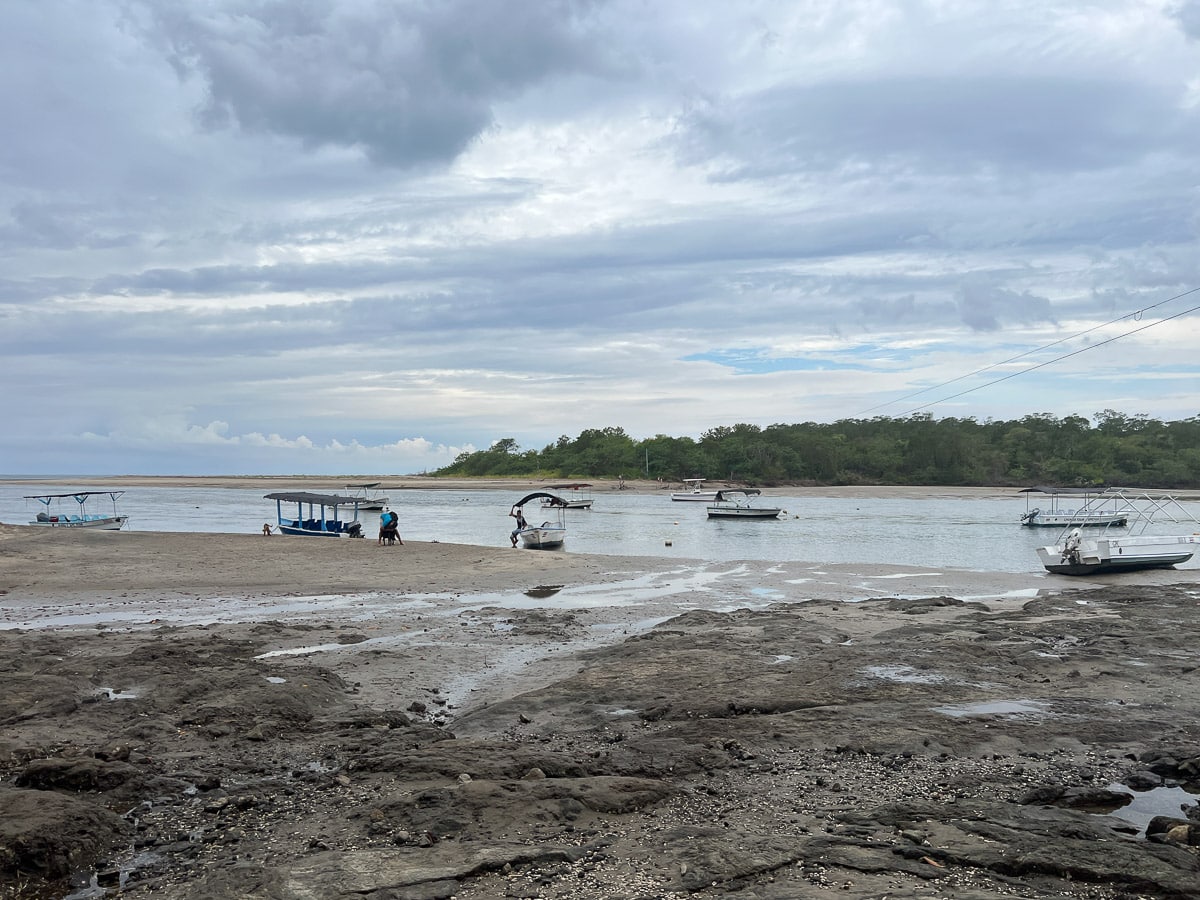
[{"x": 668, "y": 543}]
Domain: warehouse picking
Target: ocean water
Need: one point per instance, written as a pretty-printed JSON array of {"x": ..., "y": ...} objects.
[{"x": 983, "y": 534}]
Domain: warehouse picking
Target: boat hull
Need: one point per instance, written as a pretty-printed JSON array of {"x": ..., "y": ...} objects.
[
  {"x": 1064, "y": 520},
  {"x": 310, "y": 532},
  {"x": 696, "y": 496},
  {"x": 101, "y": 523},
  {"x": 542, "y": 537},
  {"x": 1126, "y": 554},
  {"x": 743, "y": 512}
]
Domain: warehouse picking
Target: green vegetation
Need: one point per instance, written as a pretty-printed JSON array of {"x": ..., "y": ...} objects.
[{"x": 918, "y": 450}]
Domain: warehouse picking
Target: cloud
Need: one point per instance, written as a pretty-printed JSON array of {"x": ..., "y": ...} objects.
[{"x": 407, "y": 83}]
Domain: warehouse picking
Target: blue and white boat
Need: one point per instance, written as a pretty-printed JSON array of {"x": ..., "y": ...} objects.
[
  {"x": 81, "y": 519},
  {"x": 316, "y": 514}
]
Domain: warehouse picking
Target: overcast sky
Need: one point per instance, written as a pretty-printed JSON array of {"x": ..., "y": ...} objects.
[{"x": 362, "y": 236}]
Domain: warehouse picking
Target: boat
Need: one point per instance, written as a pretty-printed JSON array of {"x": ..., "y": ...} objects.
[
  {"x": 306, "y": 521},
  {"x": 369, "y": 495},
  {"x": 695, "y": 491},
  {"x": 1132, "y": 549},
  {"x": 1082, "y": 514},
  {"x": 82, "y": 519},
  {"x": 735, "y": 504},
  {"x": 579, "y": 498},
  {"x": 551, "y": 534}
]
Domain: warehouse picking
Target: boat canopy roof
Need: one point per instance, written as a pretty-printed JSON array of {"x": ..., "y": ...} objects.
[
  {"x": 307, "y": 497},
  {"x": 75, "y": 494},
  {"x": 554, "y": 499},
  {"x": 741, "y": 492},
  {"x": 1043, "y": 489}
]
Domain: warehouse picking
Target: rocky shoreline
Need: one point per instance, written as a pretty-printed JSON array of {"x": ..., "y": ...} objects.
[{"x": 901, "y": 747}]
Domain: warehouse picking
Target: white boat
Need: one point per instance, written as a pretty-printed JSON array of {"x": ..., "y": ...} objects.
[
  {"x": 369, "y": 496},
  {"x": 695, "y": 491},
  {"x": 552, "y": 533},
  {"x": 1064, "y": 512},
  {"x": 1129, "y": 549},
  {"x": 579, "y": 498},
  {"x": 735, "y": 504},
  {"x": 81, "y": 519},
  {"x": 307, "y": 521}
]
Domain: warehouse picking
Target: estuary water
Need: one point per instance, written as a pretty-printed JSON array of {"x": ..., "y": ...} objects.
[{"x": 938, "y": 532}]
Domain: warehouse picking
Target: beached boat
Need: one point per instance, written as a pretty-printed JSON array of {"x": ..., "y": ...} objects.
[
  {"x": 307, "y": 521},
  {"x": 369, "y": 496},
  {"x": 735, "y": 504},
  {"x": 1071, "y": 508},
  {"x": 1138, "y": 546},
  {"x": 695, "y": 491},
  {"x": 81, "y": 519},
  {"x": 552, "y": 533},
  {"x": 580, "y": 496}
]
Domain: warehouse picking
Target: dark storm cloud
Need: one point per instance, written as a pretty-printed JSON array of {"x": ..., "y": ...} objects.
[{"x": 407, "y": 83}]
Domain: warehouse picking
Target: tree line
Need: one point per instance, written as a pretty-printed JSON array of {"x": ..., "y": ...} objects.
[{"x": 1111, "y": 449}]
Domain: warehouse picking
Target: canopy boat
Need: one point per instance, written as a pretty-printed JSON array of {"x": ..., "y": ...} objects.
[
  {"x": 551, "y": 534},
  {"x": 82, "y": 519},
  {"x": 695, "y": 491},
  {"x": 579, "y": 498},
  {"x": 1114, "y": 550},
  {"x": 1083, "y": 512},
  {"x": 735, "y": 504},
  {"x": 369, "y": 495},
  {"x": 325, "y": 524}
]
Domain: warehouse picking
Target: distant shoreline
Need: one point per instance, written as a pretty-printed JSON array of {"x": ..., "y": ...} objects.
[{"x": 335, "y": 484}]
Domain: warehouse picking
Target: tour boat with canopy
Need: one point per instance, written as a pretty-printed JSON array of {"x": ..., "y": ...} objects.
[
  {"x": 308, "y": 521},
  {"x": 1141, "y": 545},
  {"x": 81, "y": 519}
]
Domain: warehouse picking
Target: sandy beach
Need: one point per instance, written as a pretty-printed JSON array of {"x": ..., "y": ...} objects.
[{"x": 243, "y": 716}]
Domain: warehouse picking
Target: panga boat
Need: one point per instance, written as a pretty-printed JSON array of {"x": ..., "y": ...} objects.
[
  {"x": 735, "y": 504},
  {"x": 1083, "y": 511},
  {"x": 307, "y": 521},
  {"x": 695, "y": 491},
  {"x": 579, "y": 498},
  {"x": 369, "y": 496},
  {"x": 551, "y": 534},
  {"x": 1115, "y": 550},
  {"x": 82, "y": 519}
]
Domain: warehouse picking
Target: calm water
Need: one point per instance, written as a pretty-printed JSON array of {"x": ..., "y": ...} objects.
[{"x": 938, "y": 532}]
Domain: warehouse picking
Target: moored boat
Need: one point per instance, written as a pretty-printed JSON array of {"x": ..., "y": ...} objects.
[
  {"x": 695, "y": 492},
  {"x": 735, "y": 504},
  {"x": 1088, "y": 510},
  {"x": 308, "y": 521},
  {"x": 369, "y": 495},
  {"x": 82, "y": 519},
  {"x": 579, "y": 498},
  {"x": 1136, "y": 548}
]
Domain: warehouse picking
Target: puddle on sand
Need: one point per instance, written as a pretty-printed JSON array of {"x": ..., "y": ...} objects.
[
  {"x": 1159, "y": 801},
  {"x": 995, "y": 708}
]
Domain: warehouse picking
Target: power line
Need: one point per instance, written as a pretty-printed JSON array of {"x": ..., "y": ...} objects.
[
  {"x": 1135, "y": 315},
  {"x": 1057, "y": 358}
]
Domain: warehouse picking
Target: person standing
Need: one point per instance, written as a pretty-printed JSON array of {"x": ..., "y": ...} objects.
[{"x": 521, "y": 523}]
